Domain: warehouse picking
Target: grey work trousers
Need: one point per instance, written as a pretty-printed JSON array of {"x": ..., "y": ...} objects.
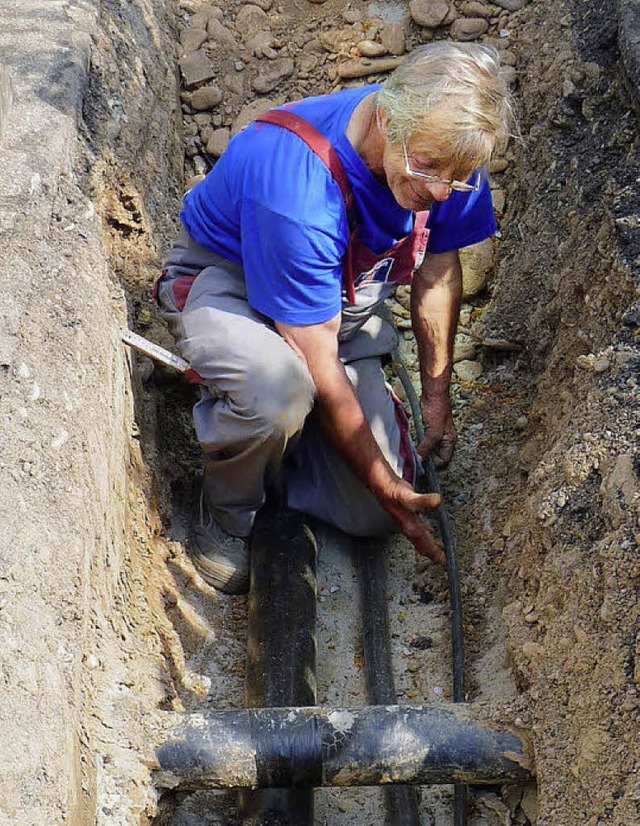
[{"x": 253, "y": 418}]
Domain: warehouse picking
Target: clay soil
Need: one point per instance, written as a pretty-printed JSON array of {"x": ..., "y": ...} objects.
[{"x": 543, "y": 490}]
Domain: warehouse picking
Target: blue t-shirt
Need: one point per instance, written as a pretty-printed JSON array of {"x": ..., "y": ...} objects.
[{"x": 271, "y": 205}]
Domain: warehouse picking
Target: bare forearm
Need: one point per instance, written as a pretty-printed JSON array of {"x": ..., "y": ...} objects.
[
  {"x": 344, "y": 424},
  {"x": 435, "y": 306}
]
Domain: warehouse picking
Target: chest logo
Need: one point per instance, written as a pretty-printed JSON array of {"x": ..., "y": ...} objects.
[{"x": 380, "y": 273}]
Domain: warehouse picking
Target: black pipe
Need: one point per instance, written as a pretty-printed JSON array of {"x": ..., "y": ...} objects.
[
  {"x": 318, "y": 746},
  {"x": 281, "y": 654},
  {"x": 401, "y": 801},
  {"x": 455, "y": 597}
]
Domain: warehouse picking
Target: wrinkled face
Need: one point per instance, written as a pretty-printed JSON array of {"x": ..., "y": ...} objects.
[{"x": 409, "y": 191}]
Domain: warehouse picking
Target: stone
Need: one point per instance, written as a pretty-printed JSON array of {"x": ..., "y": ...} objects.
[
  {"x": 475, "y": 9},
  {"x": 191, "y": 39},
  {"x": 250, "y": 20},
  {"x": 265, "y": 5},
  {"x": 477, "y": 263},
  {"x": 510, "y": 75},
  {"x": 196, "y": 68},
  {"x": 218, "y": 141},
  {"x": 498, "y": 165},
  {"x": 467, "y": 370},
  {"x": 465, "y": 29},
  {"x": 260, "y": 42},
  {"x": 350, "y": 15},
  {"x": 361, "y": 68},
  {"x": 429, "y": 13},
  {"x": 392, "y": 38},
  {"x": 250, "y": 112},
  {"x": 464, "y": 348},
  {"x": 601, "y": 364},
  {"x": 206, "y": 98},
  {"x": 233, "y": 82},
  {"x": 220, "y": 36},
  {"x": 203, "y": 15},
  {"x": 369, "y": 48},
  {"x": 510, "y": 5},
  {"x": 498, "y": 196},
  {"x": 277, "y": 71}
]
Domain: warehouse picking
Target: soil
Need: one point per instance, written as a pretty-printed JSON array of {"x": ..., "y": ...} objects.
[{"x": 543, "y": 489}]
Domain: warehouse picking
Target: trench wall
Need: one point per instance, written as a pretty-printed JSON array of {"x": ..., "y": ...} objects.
[
  {"x": 565, "y": 553},
  {"x": 73, "y": 506}
]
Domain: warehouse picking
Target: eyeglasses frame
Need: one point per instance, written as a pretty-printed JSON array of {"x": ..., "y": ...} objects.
[{"x": 456, "y": 186}]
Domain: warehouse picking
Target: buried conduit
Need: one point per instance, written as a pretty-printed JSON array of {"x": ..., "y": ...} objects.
[
  {"x": 281, "y": 658},
  {"x": 446, "y": 534}
]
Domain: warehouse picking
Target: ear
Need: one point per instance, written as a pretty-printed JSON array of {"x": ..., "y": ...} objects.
[{"x": 382, "y": 121}]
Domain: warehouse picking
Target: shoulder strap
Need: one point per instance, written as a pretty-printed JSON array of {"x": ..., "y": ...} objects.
[{"x": 314, "y": 139}]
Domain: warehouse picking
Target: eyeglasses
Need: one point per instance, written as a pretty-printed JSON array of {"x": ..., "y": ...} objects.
[{"x": 458, "y": 186}]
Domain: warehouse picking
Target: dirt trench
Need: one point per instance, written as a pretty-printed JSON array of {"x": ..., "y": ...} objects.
[{"x": 543, "y": 490}]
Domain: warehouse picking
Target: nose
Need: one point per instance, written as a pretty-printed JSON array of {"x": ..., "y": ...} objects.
[{"x": 439, "y": 192}]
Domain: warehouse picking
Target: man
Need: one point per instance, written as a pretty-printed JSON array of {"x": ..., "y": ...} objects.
[{"x": 305, "y": 225}]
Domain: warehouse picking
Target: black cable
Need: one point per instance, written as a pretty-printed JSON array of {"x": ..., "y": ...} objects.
[
  {"x": 455, "y": 597},
  {"x": 402, "y": 801}
]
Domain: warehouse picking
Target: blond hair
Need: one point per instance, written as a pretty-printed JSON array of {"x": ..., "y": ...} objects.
[{"x": 454, "y": 96}]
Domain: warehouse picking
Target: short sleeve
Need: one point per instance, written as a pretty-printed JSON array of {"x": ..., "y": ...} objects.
[
  {"x": 464, "y": 218},
  {"x": 293, "y": 231}
]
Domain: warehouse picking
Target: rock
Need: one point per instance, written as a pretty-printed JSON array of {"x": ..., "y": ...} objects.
[
  {"x": 522, "y": 422},
  {"x": 510, "y": 5},
  {"x": 218, "y": 141},
  {"x": 464, "y": 348},
  {"x": 477, "y": 263},
  {"x": 233, "y": 82},
  {"x": 429, "y": 13},
  {"x": 220, "y": 36},
  {"x": 259, "y": 43},
  {"x": 369, "y": 48},
  {"x": 468, "y": 370},
  {"x": 532, "y": 650},
  {"x": 362, "y": 68},
  {"x": 585, "y": 362},
  {"x": 601, "y": 364},
  {"x": 250, "y": 20},
  {"x": 468, "y": 28},
  {"x": 498, "y": 196},
  {"x": 392, "y": 38},
  {"x": 203, "y": 15},
  {"x": 250, "y": 112},
  {"x": 475, "y": 9},
  {"x": 191, "y": 39},
  {"x": 498, "y": 165},
  {"x": 510, "y": 75},
  {"x": 313, "y": 46},
  {"x": 350, "y": 15},
  {"x": 265, "y": 5},
  {"x": 501, "y": 344},
  {"x": 278, "y": 70},
  {"x": 206, "y": 98},
  {"x": 196, "y": 68}
]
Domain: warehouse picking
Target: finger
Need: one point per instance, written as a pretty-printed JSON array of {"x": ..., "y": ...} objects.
[
  {"x": 427, "y": 546},
  {"x": 426, "y": 446},
  {"x": 424, "y": 502}
]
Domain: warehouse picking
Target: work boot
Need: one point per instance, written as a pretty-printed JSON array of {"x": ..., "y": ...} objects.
[{"x": 220, "y": 558}]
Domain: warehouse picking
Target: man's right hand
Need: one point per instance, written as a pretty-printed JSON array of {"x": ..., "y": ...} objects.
[{"x": 404, "y": 505}]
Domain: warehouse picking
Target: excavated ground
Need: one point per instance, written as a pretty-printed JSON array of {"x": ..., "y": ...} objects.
[{"x": 543, "y": 490}]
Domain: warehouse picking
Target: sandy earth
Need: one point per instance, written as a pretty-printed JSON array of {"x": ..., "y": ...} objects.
[{"x": 543, "y": 489}]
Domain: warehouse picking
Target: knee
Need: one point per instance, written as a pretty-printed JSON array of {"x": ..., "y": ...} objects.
[{"x": 280, "y": 395}]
